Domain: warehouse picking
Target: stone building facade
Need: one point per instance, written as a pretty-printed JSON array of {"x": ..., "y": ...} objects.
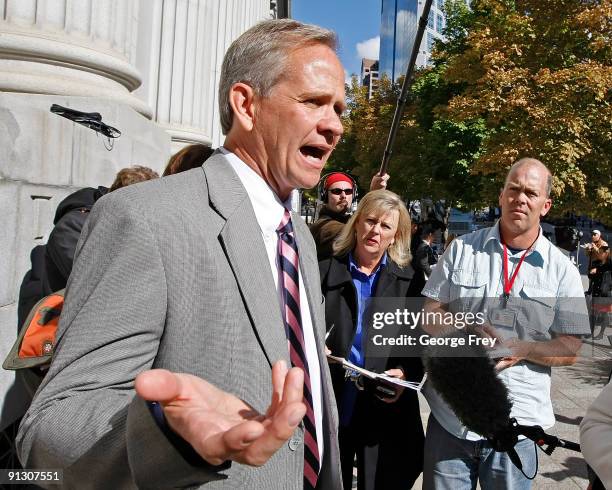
[{"x": 149, "y": 67}]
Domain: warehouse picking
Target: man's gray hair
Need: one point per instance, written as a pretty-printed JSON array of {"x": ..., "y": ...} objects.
[{"x": 259, "y": 58}]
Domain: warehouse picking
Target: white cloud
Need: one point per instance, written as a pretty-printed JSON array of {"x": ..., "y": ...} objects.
[{"x": 369, "y": 48}]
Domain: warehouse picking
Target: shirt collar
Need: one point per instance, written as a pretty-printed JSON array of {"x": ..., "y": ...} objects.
[
  {"x": 353, "y": 267},
  {"x": 268, "y": 207},
  {"x": 541, "y": 245}
]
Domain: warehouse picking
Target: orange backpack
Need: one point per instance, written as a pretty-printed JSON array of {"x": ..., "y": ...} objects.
[{"x": 36, "y": 341}]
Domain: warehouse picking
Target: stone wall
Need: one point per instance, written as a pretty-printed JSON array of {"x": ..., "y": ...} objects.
[{"x": 44, "y": 158}]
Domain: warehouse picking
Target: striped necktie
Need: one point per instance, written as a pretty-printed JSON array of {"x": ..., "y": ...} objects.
[{"x": 289, "y": 286}]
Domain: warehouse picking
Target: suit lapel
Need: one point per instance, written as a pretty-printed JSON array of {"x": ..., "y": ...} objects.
[{"x": 246, "y": 253}]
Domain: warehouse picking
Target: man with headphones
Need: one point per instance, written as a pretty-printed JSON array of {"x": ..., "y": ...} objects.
[{"x": 337, "y": 191}]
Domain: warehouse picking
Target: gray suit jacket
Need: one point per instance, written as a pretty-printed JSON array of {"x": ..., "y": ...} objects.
[{"x": 171, "y": 273}]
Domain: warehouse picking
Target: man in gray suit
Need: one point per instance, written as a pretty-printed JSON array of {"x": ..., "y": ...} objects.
[{"x": 182, "y": 275}]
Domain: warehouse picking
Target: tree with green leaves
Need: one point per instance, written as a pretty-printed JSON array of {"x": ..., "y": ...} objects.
[{"x": 514, "y": 78}]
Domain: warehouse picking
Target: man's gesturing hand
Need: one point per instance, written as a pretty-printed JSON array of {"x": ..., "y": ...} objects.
[{"x": 221, "y": 426}]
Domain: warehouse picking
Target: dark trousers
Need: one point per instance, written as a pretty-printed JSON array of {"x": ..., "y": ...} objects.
[{"x": 385, "y": 459}]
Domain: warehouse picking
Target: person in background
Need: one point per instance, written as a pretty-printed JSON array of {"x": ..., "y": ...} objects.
[
  {"x": 598, "y": 252},
  {"x": 52, "y": 262},
  {"x": 532, "y": 297},
  {"x": 424, "y": 255},
  {"x": 70, "y": 218},
  {"x": 369, "y": 272},
  {"x": 338, "y": 194},
  {"x": 191, "y": 156},
  {"x": 601, "y": 301}
]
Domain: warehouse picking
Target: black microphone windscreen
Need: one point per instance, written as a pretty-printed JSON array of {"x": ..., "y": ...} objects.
[{"x": 465, "y": 377}]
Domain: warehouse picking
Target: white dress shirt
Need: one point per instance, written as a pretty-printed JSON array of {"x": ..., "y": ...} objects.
[{"x": 269, "y": 210}]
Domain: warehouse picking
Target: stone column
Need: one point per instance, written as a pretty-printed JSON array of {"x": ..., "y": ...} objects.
[
  {"x": 71, "y": 48},
  {"x": 182, "y": 59}
]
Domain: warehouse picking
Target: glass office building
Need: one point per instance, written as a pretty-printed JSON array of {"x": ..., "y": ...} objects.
[{"x": 398, "y": 28}]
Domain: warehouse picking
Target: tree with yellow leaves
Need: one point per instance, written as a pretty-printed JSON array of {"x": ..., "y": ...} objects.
[{"x": 514, "y": 78}]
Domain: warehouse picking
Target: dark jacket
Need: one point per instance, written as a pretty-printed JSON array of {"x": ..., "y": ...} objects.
[
  {"x": 424, "y": 258},
  {"x": 602, "y": 282},
  {"x": 34, "y": 287},
  {"x": 52, "y": 263},
  {"x": 326, "y": 229},
  {"x": 397, "y": 425},
  {"x": 70, "y": 217}
]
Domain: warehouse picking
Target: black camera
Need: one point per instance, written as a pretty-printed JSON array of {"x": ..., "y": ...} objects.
[{"x": 567, "y": 237}]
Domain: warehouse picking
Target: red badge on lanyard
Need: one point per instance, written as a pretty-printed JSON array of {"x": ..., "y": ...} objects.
[{"x": 508, "y": 283}]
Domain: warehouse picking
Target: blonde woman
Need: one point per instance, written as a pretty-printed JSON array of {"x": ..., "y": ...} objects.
[{"x": 370, "y": 273}]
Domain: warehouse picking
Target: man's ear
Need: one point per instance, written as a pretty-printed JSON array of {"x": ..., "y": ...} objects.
[
  {"x": 546, "y": 207},
  {"x": 241, "y": 98}
]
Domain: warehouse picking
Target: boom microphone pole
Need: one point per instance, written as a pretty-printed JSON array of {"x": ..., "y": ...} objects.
[{"x": 401, "y": 102}]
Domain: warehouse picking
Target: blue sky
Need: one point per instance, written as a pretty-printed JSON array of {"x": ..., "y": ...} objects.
[{"x": 357, "y": 23}]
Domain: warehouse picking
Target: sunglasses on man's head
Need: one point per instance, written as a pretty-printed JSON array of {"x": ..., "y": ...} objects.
[{"x": 337, "y": 192}]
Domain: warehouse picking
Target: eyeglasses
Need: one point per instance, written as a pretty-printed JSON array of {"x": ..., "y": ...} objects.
[{"x": 337, "y": 192}]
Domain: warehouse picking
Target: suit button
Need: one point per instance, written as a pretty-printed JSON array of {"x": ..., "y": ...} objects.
[{"x": 294, "y": 443}]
